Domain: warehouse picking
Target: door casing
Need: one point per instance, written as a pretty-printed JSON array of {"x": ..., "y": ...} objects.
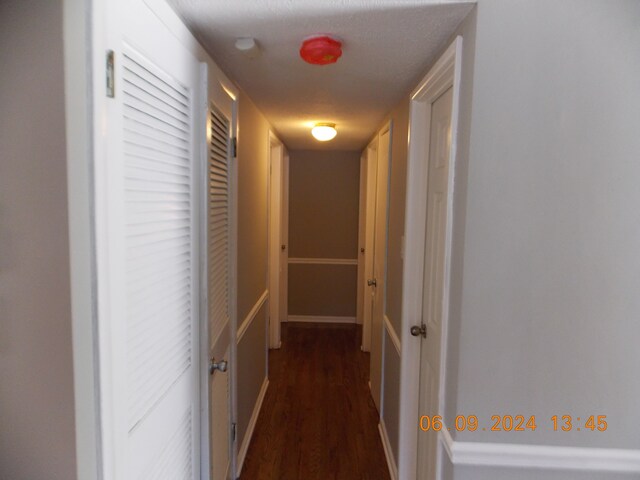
[{"x": 445, "y": 74}]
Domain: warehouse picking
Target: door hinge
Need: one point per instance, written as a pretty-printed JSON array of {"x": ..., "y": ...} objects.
[
  {"x": 234, "y": 147},
  {"x": 233, "y": 432},
  {"x": 111, "y": 80}
]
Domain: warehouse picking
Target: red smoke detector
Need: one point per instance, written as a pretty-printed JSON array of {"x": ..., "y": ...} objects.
[{"x": 321, "y": 50}]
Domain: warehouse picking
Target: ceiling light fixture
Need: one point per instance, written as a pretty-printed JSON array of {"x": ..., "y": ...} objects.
[{"x": 324, "y": 132}]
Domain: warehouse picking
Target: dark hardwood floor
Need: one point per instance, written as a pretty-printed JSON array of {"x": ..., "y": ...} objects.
[{"x": 318, "y": 420}]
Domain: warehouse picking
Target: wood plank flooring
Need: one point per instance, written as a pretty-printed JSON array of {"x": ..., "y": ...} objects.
[{"x": 318, "y": 420}]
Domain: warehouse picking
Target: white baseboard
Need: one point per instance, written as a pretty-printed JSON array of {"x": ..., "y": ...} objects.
[
  {"x": 388, "y": 452},
  {"x": 246, "y": 441},
  {"x": 319, "y": 319},
  {"x": 540, "y": 456}
]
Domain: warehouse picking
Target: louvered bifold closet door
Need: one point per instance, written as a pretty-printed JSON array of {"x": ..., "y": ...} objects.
[
  {"x": 218, "y": 250},
  {"x": 218, "y": 223},
  {"x": 154, "y": 248}
]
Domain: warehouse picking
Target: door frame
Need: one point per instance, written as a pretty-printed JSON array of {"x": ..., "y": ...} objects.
[
  {"x": 276, "y": 167},
  {"x": 445, "y": 74},
  {"x": 80, "y": 135}
]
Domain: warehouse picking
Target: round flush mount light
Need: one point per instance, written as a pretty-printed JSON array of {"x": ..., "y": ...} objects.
[
  {"x": 324, "y": 132},
  {"x": 321, "y": 50},
  {"x": 248, "y": 47}
]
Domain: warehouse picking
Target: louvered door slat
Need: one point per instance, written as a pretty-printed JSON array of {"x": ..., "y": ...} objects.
[
  {"x": 157, "y": 175},
  {"x": 218, "y": 241},
  {"x": 149, "y": 154}
]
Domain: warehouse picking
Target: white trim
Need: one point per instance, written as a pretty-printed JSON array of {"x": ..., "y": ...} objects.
[
  {"x": 392, "y": 334},
  {"x": 246, "y": 441},
  {"x": 540, "y": 456},
  {"x": 320, "y": 319},
  {"x": 203, "y": 220},
  {"x": 388, "y": 452},
  {"x": 79, "y": 108},
  {"x": 324, "y": 261},
  {"x": 233, "y": 275},
  {"x": 246, "y": 323},
  {"x": 446, "y": 440},
  {"x": 443, "y": 75}
]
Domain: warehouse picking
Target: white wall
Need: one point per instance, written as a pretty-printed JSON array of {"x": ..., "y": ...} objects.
[
  {"x": 37, "y": 438},
  {"x": 546, "y": 303}
]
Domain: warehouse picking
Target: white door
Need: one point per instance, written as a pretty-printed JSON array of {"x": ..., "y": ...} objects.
[
  {"x": 276, "y": 250},
  {"x": 147, "y": 164},
  {"x": 284, "y": 238},
  {"x": 219, "y": 183},
  {"x": 362, "y": 215},
  {"x": 379, "y": 265},
  {"x": 433, "y": 284},
  {"x": 369, "y": 240}
]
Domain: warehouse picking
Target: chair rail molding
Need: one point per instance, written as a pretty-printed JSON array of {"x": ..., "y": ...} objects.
[
  {"x": 488, "y": 454},
  {"x": 323, "y": 261}
]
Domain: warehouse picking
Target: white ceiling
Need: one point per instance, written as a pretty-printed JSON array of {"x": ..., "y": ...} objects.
[{"x": 387, "y": 45}]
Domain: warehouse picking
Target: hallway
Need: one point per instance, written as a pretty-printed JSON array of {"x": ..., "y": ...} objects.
[{"x": 318, "y": 420}]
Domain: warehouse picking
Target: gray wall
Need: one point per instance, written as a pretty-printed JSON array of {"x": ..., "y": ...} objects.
[
  {"x": 395, "y": 267},
  {"x": 37, "y": 437},
  {"x": 253, "y": 168},
  {"x": 545, "y": 297},
  {"x": 253, "y": 176},
  {"x": 397, "y": 203},
  {"x": 251, "y": 369},
  {"x": 468, "y": 31},
  {"x": 391, "y": 393},
  {"x": 323, "y": 290},
  {"x": 324, "y": 191}
]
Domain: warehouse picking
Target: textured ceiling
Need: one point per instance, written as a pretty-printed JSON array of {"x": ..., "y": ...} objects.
[{"x": 387, "y": 46}]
